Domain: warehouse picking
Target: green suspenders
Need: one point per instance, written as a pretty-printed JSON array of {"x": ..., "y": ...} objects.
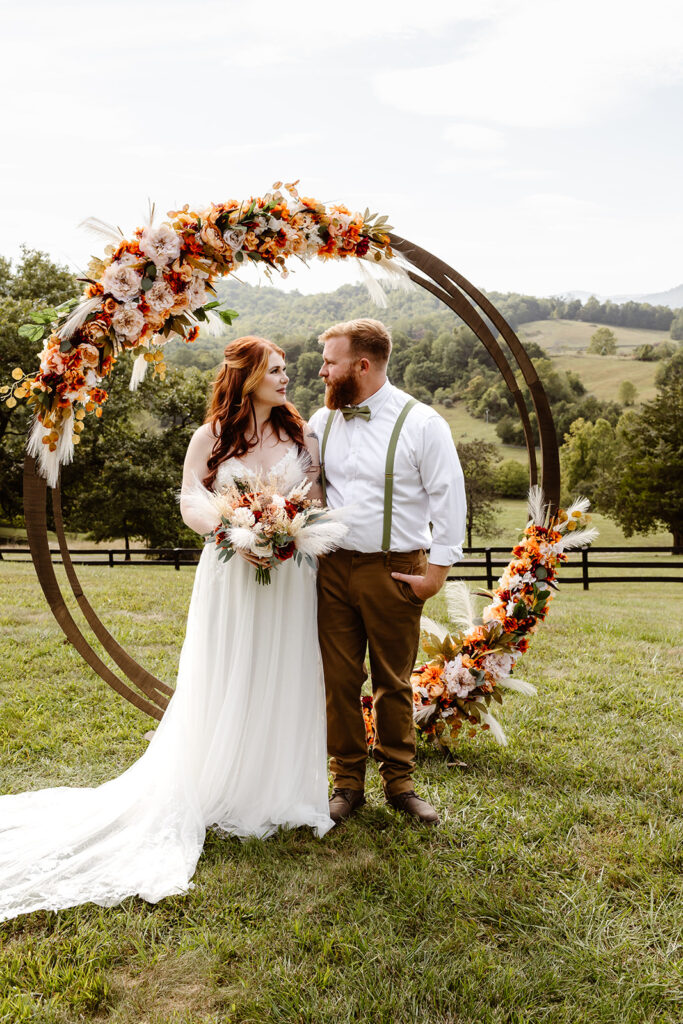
[
  {"x": 388, "y": 470},
  {"x": 389, "y": 473}
]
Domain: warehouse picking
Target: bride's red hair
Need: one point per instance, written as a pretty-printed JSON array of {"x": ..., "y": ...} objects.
[{"x": 231, "y": 409}]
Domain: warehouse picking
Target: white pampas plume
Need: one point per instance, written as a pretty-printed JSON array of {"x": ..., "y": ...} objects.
[
  {"x": 103, "y": 230},
  {"x": 536, "y": 506},
  {"x": 520, "y": 685},
  {"x": 579, "y": 538},
  {"x": 375, "y": 290},
  {"x": 320, "y": 537},
  {"x": 242, "y": 539},
  {"x": 495, "y": 727},
  {"x": 422, "y": 715},
  {"x": 138, "y": 374},
  {"x": 428, "y": 625},
  {"x": 460, "y": 604},
  {"x": 49, "y": 462},
  {"x": 377, "y": 275},
  {"x": 78, "y": 317}
]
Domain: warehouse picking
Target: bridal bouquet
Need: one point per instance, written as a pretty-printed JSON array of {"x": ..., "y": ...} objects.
[{"x": 256, "y": 516}]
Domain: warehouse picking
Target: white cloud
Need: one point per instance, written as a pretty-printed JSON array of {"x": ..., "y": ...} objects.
[
  {"x": 543, "y": 63},
  {"x": 474, "y": 137}
]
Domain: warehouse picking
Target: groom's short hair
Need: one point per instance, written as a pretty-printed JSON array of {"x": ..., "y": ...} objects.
[{"x": 368, "y": 338}]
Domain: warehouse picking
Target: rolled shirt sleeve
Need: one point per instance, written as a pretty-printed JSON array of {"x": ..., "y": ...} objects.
[{"x": 443, "y": 480}]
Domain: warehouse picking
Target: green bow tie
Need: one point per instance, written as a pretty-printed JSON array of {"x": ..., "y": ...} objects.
[{"x": 349, "y": 411}]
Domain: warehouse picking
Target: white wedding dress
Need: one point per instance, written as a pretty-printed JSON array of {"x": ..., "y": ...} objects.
[{"x": 242, "y": 746}]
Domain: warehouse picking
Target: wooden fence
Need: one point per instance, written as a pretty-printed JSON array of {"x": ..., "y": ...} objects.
[{"x": 480, "y": 565}]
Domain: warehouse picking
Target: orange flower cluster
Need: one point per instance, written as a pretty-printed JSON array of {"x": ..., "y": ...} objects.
[
  {"x": 468, "y": 669},
  {"x": 156, "y": 286}
]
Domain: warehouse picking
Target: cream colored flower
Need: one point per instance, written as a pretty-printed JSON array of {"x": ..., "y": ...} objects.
[
  {"x": 160, "y": 298},
  {"x": 128, "y": 321},
  {"x": 160, "y": 244},
  {"x": 121, "y": 281},
  {"x": 90, "y": 355},
  {"x": 196, "y": 293}
]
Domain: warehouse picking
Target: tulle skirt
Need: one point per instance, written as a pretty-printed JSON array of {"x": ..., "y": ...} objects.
[{"x": 242, "y": 747}]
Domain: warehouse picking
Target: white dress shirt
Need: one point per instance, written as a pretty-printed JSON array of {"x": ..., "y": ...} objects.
[{"x": 428, "y": 480}]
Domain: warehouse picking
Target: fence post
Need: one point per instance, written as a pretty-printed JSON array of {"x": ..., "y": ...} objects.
[
  {"x": 489, "y": 570},
  {"x": 584, "y": 567},
  {"x": 176, "y": 558},
  {"x": 111, "y": 558}
]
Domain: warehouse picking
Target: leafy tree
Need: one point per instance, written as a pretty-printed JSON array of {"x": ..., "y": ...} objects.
[
  {"x": 603, "y": 342},
  {"x": 677, "y": 326},
  {"x": 479, "y": 461},
  {"x": 649, "y": 464},
  {"x": 127, "y": 469},
  {"x": 628, "y": 392},
  {"x": 587, "y": 460},
  {"x": 512, "y": 479}
]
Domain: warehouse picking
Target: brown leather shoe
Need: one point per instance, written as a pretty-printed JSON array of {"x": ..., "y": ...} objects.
[
  {"x": 343, "y": 802},
  {"x": 412, "y": 804}
]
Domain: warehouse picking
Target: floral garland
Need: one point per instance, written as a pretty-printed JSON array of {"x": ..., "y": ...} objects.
[
  {"x": 472, "y": 666},
  {"x": 154, "y": 287}
]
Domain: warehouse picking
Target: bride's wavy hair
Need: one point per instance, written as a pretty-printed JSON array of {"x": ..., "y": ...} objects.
[{"x": 231, "y": 408}]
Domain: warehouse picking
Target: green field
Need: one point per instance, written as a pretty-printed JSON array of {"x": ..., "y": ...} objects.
[
  {"x": 550, "y": 893},
  {"x": 602, "y": 375},
  {"x": 559, "y": 337}
]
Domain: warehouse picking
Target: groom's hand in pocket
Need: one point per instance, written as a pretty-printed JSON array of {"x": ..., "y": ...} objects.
[{"x": 428, "y": 585}]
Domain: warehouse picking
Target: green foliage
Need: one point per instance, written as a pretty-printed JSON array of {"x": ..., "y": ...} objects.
[
  {"x": 677, "y": 326},
  {"x": 135, "y": 453},
  {"x": 511, "y": 479},
  {"x": 603, "y": 342},
  {"x": 587, "y": 459},
  {"x": 628, "y": 392},
  {"x": 479, "y": 465},
  {"x": 649, "y": 465}
]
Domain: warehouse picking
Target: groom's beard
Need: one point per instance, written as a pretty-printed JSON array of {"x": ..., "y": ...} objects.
[{"x": 342, "y": 392}]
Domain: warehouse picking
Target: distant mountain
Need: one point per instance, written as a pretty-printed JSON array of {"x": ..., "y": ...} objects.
[{"x": 673, "y": 298}]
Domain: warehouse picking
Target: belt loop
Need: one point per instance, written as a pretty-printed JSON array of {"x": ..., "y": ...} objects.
[{"x": 387, "y": 559}]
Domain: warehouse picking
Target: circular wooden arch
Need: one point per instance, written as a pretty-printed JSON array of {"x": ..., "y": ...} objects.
[{"x": 140, "y": 687}]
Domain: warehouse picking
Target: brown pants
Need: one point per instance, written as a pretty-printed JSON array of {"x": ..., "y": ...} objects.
[{"x": 360, "y": 605}]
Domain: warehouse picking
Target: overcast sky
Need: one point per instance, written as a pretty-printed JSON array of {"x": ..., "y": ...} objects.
[{"x": 535, "y": 145}]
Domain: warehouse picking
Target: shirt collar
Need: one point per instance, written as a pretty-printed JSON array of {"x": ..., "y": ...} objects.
[{"x": 376, "y": 401}]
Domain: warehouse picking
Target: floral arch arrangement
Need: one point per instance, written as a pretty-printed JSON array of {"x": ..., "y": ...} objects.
[{"x": 159, "y": 285}]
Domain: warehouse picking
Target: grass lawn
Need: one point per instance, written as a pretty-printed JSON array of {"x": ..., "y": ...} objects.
[{"x": 551, "y": 892}]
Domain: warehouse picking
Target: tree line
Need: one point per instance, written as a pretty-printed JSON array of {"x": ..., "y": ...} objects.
[{"x": 136, "y": 450}]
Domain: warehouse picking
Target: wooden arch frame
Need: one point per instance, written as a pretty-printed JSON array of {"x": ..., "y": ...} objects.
[{"x": 144, "y": 690}]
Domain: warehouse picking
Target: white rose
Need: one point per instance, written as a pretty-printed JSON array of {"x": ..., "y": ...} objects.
[{"x": 235, "y": 238}]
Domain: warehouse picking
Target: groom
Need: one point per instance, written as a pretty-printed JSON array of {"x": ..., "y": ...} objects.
[{"x": 393, "y": 460}]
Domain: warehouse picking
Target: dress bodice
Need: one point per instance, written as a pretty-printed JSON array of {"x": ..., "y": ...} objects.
[{"x": 285, "y": 473}]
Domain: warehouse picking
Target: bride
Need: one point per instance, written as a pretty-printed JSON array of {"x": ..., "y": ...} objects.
[{"x": 242, "y": 744}]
